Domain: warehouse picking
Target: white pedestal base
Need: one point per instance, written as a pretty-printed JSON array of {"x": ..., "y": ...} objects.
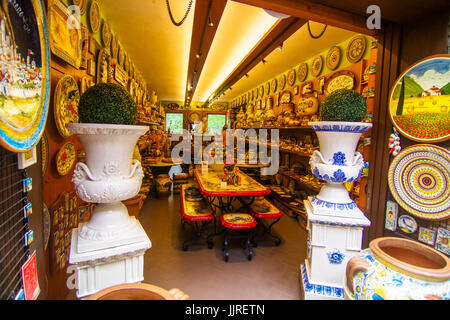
[
  {"x": 318, "y": 291},
  {"x": 332, "y": 241},
  {"x": 99, "y": 269}
]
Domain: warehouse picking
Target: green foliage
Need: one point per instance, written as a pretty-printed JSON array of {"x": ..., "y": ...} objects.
[
  {"x": 107, "y": 103},
  {"x": 343, "y": 105},
  {"x": 412, "y": 88}
]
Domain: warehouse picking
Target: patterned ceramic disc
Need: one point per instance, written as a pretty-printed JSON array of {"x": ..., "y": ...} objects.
[
  {"x": 273, "y": 85},
  {"x": 282, "y": 81},
  {"x": 316, "y": 66},
  {"x": 94, "y": 16},
  {"x": 302, "y": 72},
  {"x": 419, "y": 181},
  {"x": 333, "y": 58},
  {"x": 291, "y": 77},
  {"x": 67, "y": 97},
  {"x": 66, "y": 158},
  {"x": 267, "y": 88},
  {"x": 356, "y": 49}
]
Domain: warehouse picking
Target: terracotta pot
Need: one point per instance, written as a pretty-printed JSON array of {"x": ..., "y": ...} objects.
[
  {"x": 138, "y": 291},
  {"x": 398, "y": 269}
]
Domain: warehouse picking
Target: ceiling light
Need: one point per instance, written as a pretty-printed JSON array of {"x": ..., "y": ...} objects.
[
  {"x": 280, "y": 46},
  {"x": 263, "y": 61},
  {"x": 198, "y": 55},
  {"x": 247, "y": 75},
  {"x": 210, "y": 22}
]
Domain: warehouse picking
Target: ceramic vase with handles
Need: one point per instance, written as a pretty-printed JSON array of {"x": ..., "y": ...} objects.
[
  {"x": 398, "y": 269},
  {"x": 337, "y": 162},
  {"x": 108, "y": 177}
]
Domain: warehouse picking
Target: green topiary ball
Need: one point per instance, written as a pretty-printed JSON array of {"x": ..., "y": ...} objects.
[
  {"x": 107, "y": 103},
  {"x": 343, "y": 105}
]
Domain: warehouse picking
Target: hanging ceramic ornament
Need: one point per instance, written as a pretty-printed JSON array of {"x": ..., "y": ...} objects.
[{"x": 394, "y": 144}]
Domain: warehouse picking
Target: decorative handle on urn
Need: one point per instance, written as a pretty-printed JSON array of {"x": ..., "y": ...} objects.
[
  {"x": 81, "y": 172},
  {"x": 317, "y": 157},
  {"x": 358, "y": 159},
  {"x": 136, "y": 170},
  {"x": 178, "y": 294},
  {"x": 355, "y": 265}
]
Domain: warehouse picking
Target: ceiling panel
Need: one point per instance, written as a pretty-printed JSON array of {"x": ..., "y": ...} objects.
[
  {"x": 299, "y": 47},
  {"x": 158, "y": 48}
]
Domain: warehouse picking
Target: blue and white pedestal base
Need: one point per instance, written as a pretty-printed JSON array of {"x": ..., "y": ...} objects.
[{"x": 334, "y": 237}]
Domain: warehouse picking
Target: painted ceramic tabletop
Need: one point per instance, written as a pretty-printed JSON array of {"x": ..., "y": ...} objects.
[{"x": 210, "y": 185}]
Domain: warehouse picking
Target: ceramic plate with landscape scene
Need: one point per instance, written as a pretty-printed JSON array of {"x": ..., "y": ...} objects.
[
  {"x": 419, "y": 102},
  {"x": 24, "y": 74}
]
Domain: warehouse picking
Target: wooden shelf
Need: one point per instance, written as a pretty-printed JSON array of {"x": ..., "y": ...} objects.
[{"x": 300, "y": 182}]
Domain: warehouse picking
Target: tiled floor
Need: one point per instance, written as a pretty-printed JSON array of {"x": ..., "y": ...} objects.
[{"x": 202, "y": 273}]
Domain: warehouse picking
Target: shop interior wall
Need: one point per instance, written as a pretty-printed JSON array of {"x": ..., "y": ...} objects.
[{"x": 401, "y": 46}]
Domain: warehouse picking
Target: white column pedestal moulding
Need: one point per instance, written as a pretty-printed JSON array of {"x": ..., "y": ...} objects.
[
  {"x": 108, "y": 249},
  {"x": 335, "y": 223}
]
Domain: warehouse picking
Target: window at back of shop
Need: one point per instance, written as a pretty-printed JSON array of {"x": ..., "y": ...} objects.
[
  {"x": 216, "y": 123},
  {"x": 174, "y": 122}
]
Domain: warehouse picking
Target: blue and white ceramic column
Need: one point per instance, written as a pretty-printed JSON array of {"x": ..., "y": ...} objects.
[{"x": 335, "y": 223}]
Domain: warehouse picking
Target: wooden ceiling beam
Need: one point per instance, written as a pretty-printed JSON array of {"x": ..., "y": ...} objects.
[
  {"x": 206, "y": 12},
  {"x": 279, "y": 32},
  {"x": 309, "y": 10}
]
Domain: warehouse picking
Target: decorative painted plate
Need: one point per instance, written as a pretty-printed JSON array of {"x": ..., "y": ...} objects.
[
  {"x": 302, "y": 72},
  {"x": 407, "y": 224},
  {"x": 249, "y": 96},
  {"x": 261, "y": 91},
  {"x": 94, "y": 16},
  {"x": 282, "y": 81},
  {"x": 114, "y": 47},
  {"x": 67, "y": 97},
  {"x": 46, "y": 223},
  {"x": 44, "y": 153},
  {"x": 419, "y": 101},
  {"x": 106, "y": 34},
  {"x": 273, "y": 85},
  {"x": 333, "y": 58},
  {"x": 65, "y": 159},
  {"x": 316, "y": 66},
  {"x": 81, "y": 5},
  {"x": 419, "y": 181},
  {"x": 340, "y": 80},
  {"x": 267, "y": 88},
  {"x": 356, "y": 48},
  {"x": 194, "y": 117},
  {"x": 291, "y": 77},
  {"x": 25, "y": 96}
]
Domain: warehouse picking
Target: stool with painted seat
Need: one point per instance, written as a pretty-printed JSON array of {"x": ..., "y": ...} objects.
[
  {"x": 262, "y": 208},
  {"x": 196, "y": 212},
  {"x": 235, "y": 222}
]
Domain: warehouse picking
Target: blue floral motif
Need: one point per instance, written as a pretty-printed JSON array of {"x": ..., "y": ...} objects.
[
  {"x": 339, "y": 158},
  {"x": 338, "y": 176},
  {"x": 328, "y": 205},
  {"x": 340, "y": 128},
  {"x": 335, "y": 256}
]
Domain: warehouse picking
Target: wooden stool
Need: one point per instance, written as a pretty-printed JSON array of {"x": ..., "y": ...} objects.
[
  {"x": 198, "y": 214},
  {"x": 238, "y": 221}
]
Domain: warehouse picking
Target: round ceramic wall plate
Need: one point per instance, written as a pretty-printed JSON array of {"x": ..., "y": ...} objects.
[
  {"x": 24, "y": 83},
  {"x": 291, "y": 77},
  {"x": 333, "y": 58},
  {"x": 302, "y": 72},
  {"x": 67, "y": 97},
  {"x": 81, "y": 5},
  {"x": 419, "y": 101},
  {"x": 94, "y": 16},
  {"x": 419, "y": 181},
  {"x": 65, "y": 159},
  {"x": 356, "y": 48},
  {"x": 273, "y": 85},
  {"x": 282, "y": 81},
  {"x": 267, "y": 88},
  {"x": 316, "y": 66},
  {"x": 106, "y": 34}
]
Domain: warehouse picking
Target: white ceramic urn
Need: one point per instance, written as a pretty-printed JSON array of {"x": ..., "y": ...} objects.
[
  {"x": 337, "y": 162},
  {"x": 108, "y": 177}
]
